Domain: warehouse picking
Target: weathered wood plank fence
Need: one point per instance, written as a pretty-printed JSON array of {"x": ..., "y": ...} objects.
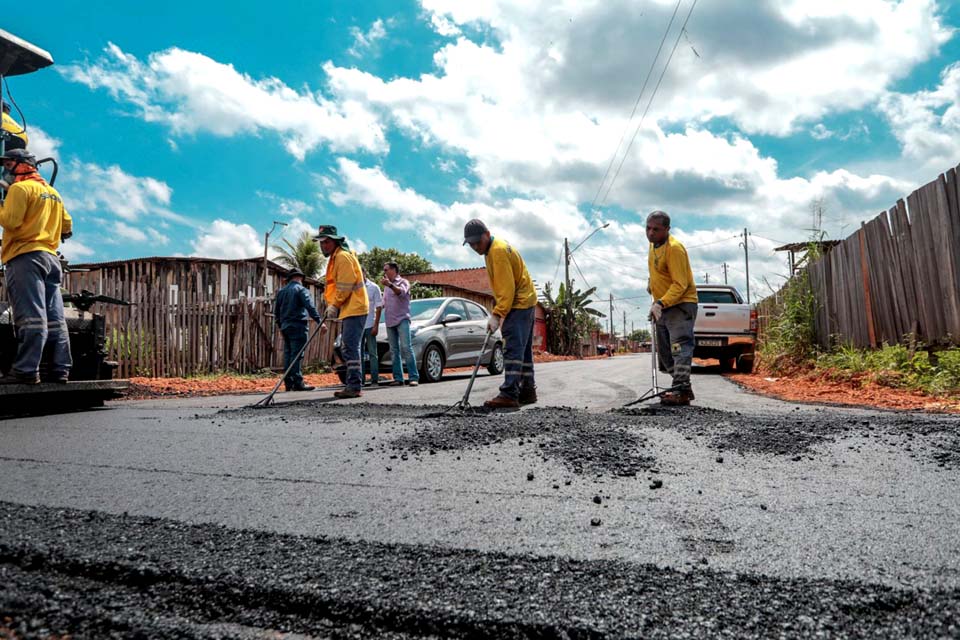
[{"x": 897, "y": 278}]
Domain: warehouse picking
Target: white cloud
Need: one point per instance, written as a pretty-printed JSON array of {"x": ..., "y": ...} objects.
[
  {"x": 123, "y": 231},
  {"x": 286, "y": 206},
  {"x": 42, "y": 144},
  {"x": 229, "y": 240},
  {"x": 190, "y": 93},
  {"x": 927, "y": 123},
  {"x": 364, "y": 42},
  {"x": 92, "y": 188},
  {"x": 75, "y": 250}
]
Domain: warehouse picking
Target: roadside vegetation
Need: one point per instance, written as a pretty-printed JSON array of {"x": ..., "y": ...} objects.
[{"x": 788, "y": 348}]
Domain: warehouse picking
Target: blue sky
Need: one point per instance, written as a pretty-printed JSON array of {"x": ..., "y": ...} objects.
[{"x": 188, "y": 128}]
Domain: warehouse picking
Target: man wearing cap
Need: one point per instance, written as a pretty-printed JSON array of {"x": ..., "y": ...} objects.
[
  {"x": 34, "y": 222},
  {"x": 513, "y": 313},
  {"x": 290, "y": 310},
  {"x": 346, "y": 297},
  {"x": 674, "y": 308}
]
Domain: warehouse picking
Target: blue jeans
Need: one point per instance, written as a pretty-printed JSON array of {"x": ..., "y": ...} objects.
[
  {"x": 294, "y": 337},
  {"x": 351, "y": 334},
  {"x": 33, "y": 282},
  {"x": 402, "y": 352},
  {"x": 675, "y": 341},
  {"x": 373, "y": 363},
  {"x": 517, "y": 331}
]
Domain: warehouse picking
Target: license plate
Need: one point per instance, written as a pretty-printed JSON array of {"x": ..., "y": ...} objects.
[{"x": 710, "y": 343}]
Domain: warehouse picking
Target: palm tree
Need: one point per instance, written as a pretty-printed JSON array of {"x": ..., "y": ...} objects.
[
  {"x": 304, "y": 255},
  {"x": 568, "y": 318}
]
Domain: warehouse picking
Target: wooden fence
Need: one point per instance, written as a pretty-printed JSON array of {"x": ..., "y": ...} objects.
[
  {"x": 188, "y": 336},
  {"x": 898, "y": 277}
]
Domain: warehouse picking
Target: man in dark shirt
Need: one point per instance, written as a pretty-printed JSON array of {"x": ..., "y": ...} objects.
[{"x": 291, "y": 310}]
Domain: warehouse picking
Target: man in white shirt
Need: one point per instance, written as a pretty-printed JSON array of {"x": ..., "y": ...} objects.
[{"x": 370, "y": 330}]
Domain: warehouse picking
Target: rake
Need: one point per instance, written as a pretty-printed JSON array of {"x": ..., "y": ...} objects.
[
  {"x": 267, "y": 400},
  {"x": 655, "y": 391},
  {"x": 463, "y": 404}
]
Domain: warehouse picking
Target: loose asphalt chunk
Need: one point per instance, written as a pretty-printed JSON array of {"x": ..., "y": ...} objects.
[{"x": 93, "y": 575}]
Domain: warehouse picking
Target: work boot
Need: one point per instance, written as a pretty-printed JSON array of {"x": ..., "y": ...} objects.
[
  {"x": 304, "y": 387},
  {"x": 347, "y": 393},
  {"x": 63, "y": 379},
  {"x": 20, "y": 378},
  {"x": 502, "y": 402},
  {"x": 528, "y": 395},
  {"x": 679, "y": 398}
]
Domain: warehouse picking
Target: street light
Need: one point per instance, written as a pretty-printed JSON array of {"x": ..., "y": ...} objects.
[
  {"x": 566, "y": 276},
  {"x": 266, "y": 241}
]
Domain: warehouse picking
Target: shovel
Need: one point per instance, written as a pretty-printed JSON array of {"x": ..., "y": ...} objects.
[
  {"x": 655, "y": 391},
  {"x": 267, "y": 400}
]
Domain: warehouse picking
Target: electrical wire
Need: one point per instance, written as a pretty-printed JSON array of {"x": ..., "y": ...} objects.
[
  {"x": 636, "y": 104},
  {"x": 23, "y": 118},
  {"x": 666, "y": 66},
  {"x": 580, "y": 272}
]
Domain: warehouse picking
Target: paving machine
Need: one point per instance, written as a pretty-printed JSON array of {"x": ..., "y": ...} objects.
[{"x": 92, "y": 376}]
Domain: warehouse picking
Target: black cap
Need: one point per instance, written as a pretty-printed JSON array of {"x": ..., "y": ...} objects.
[
  {"x": 293, "y": 273},
  {"x": 20, "y": 155},
  {"x": 474, "y": 230}
]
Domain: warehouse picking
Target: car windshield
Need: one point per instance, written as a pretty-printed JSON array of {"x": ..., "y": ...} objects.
[{"x": 421, "y": 310}]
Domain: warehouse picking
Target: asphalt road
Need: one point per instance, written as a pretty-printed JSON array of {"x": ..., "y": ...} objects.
[{"x": 840, "y": 506}]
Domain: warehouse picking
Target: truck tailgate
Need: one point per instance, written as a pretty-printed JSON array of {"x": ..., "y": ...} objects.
[{"x": 723, "y": 319}]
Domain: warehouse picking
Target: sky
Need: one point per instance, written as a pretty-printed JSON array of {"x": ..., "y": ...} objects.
[{"x": 189, "y": 128}]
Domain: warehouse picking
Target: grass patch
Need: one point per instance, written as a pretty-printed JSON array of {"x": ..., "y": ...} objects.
[{"x": 935, "y": 373}]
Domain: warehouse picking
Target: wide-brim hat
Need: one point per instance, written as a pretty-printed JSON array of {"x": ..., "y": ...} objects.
[
  {"x": 293, "y": 273},
  {"x": 328, "y": 231}
]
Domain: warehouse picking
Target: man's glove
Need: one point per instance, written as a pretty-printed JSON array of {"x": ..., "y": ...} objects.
[
  {"x": 656, "y": 310},
  {"x": 493, "y": 323},
  {"x": 332, "y": 312},
  {"x": 65, "y": 235}
]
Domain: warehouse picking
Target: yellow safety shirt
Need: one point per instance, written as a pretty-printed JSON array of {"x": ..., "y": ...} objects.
[
  {"x": 345, "y": 288},
  {"x": 671, "y": 278},
  {"x": 33, "y": 219},
  {"x": 511, "y": 282}
]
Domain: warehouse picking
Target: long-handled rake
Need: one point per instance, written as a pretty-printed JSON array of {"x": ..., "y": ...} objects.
[
  {"x": 267, "y": 400},
  {"x": 655, "y": 391},
  {"x": 463, "y": 404}
]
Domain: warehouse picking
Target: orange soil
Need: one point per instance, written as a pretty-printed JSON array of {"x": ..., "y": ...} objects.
[
  {"x": 143, "y": 388},
  {"x": 814, "y": 386}
]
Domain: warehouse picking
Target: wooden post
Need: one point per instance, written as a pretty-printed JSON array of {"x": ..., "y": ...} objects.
[{"x": 865, "y": 271}]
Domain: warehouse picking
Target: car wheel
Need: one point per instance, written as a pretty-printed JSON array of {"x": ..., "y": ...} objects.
[
  {"x": 496, "y": 360},
  {"x": 432, "y": 364},
  {"x": 727, "y": 364},
  {"x": 744, "y": 364}
]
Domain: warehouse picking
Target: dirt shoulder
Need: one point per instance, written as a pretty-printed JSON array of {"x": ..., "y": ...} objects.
[{"x": 816, "y": 387}]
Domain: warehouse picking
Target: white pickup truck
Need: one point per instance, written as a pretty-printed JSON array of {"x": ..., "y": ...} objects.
[{"x": 726, "y": 327}]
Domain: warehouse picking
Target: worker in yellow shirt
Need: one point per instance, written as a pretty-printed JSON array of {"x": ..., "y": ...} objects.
[
  {"x": 34, "y": 221},
  {"x": 14, "y": 135},
  {"x": 674, "y": 306},
  {"x": 346, "y": 296},
  {"x": 513, "y": 313}
]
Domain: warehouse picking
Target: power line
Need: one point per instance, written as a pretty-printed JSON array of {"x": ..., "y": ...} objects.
[
  {"x": 580, "y": 272},
  {"x": 636, "y": 104},
  {"x": 649, "y": 103}
]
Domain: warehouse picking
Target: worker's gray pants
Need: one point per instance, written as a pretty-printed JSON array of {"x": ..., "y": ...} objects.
[
  {"x": 517, "y": 333},
  {"x": 675, "y": 341},
  {"x": 33, "y": 285}
]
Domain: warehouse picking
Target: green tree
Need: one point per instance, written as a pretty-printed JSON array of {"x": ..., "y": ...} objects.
[
  {"x": 304, "y": 255},
  {"x": 418, "y": 291},
  {"x": 639, "y": 335},
  {"x": 373, "y": 260},
  {"x": 568, "y": 319}
]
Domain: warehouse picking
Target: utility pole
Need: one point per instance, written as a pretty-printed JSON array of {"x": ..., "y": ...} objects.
[
  {"x": 611, "y": 317},
  {"x": 706, "y": 278},
  {"x": 725, "y": 273},
  {"x": 746, "y": 258},
  {"x": 624, "y": 326},
  {"x": 568, "y": 300}
]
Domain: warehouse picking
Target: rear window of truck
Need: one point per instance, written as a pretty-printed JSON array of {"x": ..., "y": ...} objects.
[{"x": 717, "y": 297}]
